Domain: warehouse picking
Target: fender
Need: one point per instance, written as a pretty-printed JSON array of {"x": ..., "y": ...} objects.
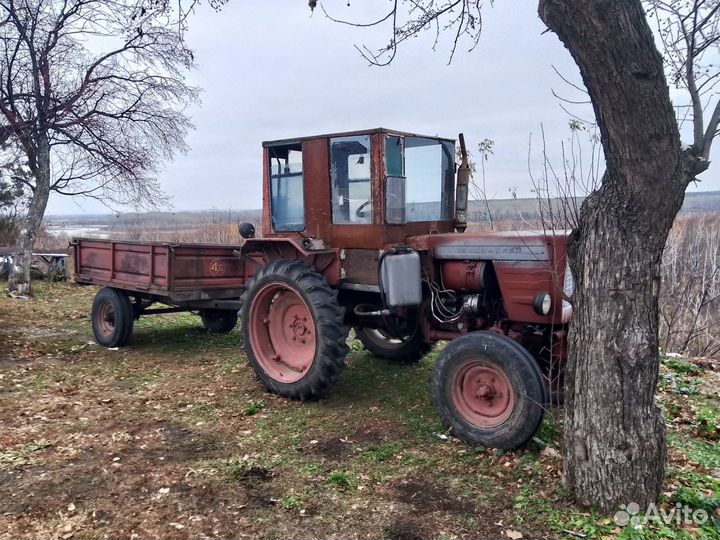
[{"x": 325, "y": 260}]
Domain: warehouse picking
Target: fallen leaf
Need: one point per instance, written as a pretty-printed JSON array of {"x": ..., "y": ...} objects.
[{"x": 514, "y": 535}]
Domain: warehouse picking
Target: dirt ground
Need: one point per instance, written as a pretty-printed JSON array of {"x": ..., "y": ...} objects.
[{"x": 173, "y": 437}]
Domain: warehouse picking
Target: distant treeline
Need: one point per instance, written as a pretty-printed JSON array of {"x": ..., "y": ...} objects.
[
  {"x": 500, "y": 209},
  {"x": 527, "y": 209},
  {"x": 153, "y": 220}
]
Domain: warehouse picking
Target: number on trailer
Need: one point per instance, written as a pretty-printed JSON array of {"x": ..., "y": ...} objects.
[{"x": 217, "y": 267}]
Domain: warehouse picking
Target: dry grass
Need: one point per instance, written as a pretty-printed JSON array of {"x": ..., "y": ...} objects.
[{"x": 690, "y": 297}]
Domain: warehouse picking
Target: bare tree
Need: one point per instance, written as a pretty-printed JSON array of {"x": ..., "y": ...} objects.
[
  {"x": 407, "y": 18},
  {"x": 478, "y": 191},
  {"x": 561, "y": 190},
  {"x": 93, "y": 93},
  {"x": 614, "y": 435},
  {"x": 690, "y": 34}
]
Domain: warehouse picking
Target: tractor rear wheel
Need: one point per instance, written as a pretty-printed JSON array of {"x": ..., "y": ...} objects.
[
  {"x": 489, "y": 391},
  {"x": 293, "y": 328},
  {"x": 381, "y": 344},
  {"x": 112, "y": 317},
  {"x": 218, "y": 321}
]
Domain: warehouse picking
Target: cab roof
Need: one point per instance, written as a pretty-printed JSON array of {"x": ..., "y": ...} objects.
[{"x": 355, "y": 133}]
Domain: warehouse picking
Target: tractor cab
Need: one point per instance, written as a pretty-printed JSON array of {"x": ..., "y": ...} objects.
[{"x": 362, "y": 189}]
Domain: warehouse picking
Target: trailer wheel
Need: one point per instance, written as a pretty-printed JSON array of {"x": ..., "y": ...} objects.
[
  {"x": 488, "y": 391},
  {"x": 293, "y": 330},
  {"x": 385, "y": 346},
  {"x": 218, "y": 321},
  {"x": 112, "y": 317}
]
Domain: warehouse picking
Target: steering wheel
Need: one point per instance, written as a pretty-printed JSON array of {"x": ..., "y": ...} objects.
[{"x": 360, "y": 212}]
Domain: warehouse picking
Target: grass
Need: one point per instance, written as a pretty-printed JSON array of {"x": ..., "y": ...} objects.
[
  {"x": 176, "y": 428},
  {"x": 254, "y": 407},
  {"x": 382, "y": 452},
  {"x": 341, "y": 480},
  {"x": 291, "y": 502},
  {"x": 680, "y": 366}
]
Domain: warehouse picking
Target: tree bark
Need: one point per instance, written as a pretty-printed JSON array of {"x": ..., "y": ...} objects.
[
  {"x": 19, "y": 278},
  {"x": 614, "y": 439}
]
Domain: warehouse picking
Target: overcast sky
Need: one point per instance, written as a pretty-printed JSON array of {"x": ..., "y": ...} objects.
[{"x": 269, "y": 70}]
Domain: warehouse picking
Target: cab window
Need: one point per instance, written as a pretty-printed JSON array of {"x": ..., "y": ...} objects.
[
  {"x": 350, "y": 177},
  {"x": 429, "y": 168},
  {"x": 286, "y": 187},
  {"x": 420, "y": 179}
]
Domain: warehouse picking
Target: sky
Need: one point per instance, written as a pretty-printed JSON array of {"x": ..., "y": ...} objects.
[{"x": 271, "y": 70}]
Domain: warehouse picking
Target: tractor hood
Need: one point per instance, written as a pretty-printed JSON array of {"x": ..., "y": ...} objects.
[{"x": 535, "y": 246}]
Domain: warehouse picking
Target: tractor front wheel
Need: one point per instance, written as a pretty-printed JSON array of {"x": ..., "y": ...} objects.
[
  {"x": 293, "y": 328},
  {"x": 488, "y": 391},
  {"x": 112, "y": 317},
  {"x": 408, "y": 350}
]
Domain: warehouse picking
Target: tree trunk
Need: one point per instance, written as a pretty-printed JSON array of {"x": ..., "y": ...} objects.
[
  {"x": 614, "y": 439},
  {"x": 19, "y": 279}
]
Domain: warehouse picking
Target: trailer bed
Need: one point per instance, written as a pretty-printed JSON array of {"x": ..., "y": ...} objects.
[{"x": 178, "y": 273}]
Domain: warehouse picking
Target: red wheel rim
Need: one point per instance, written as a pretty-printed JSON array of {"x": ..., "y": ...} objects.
[
  {"x": 106, "y": 318},
  {"x": 482, "y": 394},
  {"x": 283, "y": 333}
]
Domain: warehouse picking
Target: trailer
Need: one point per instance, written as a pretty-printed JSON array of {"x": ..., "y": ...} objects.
[{"x": 205, "y": 278}]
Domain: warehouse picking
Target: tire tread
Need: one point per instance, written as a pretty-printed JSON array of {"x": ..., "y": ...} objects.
[
  {"x": 329, "y": 361},
  {"x": 522, "y": 370}
]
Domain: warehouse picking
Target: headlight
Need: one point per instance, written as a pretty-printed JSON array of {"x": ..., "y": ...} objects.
[
  {"x": 569, "y": 285},
  {"x": 542, "y": 303}
]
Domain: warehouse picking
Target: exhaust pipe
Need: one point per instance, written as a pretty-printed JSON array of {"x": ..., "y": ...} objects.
[{"x": 461, "y": 188}]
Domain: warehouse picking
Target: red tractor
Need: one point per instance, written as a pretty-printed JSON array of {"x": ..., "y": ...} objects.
[{"x": 366, "y": 230}]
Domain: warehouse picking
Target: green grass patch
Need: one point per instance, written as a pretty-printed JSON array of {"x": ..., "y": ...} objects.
[
  {"x": 182, "y": 332},
  {"x": 680, "y": 366},
  {"x": 342, "y": 480},
  {"x": 291, "y": 502},
  {"x": 382, "y": 452},
  {"x": 702, "y": 452},
  {"x": 254, "y": 407}
]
